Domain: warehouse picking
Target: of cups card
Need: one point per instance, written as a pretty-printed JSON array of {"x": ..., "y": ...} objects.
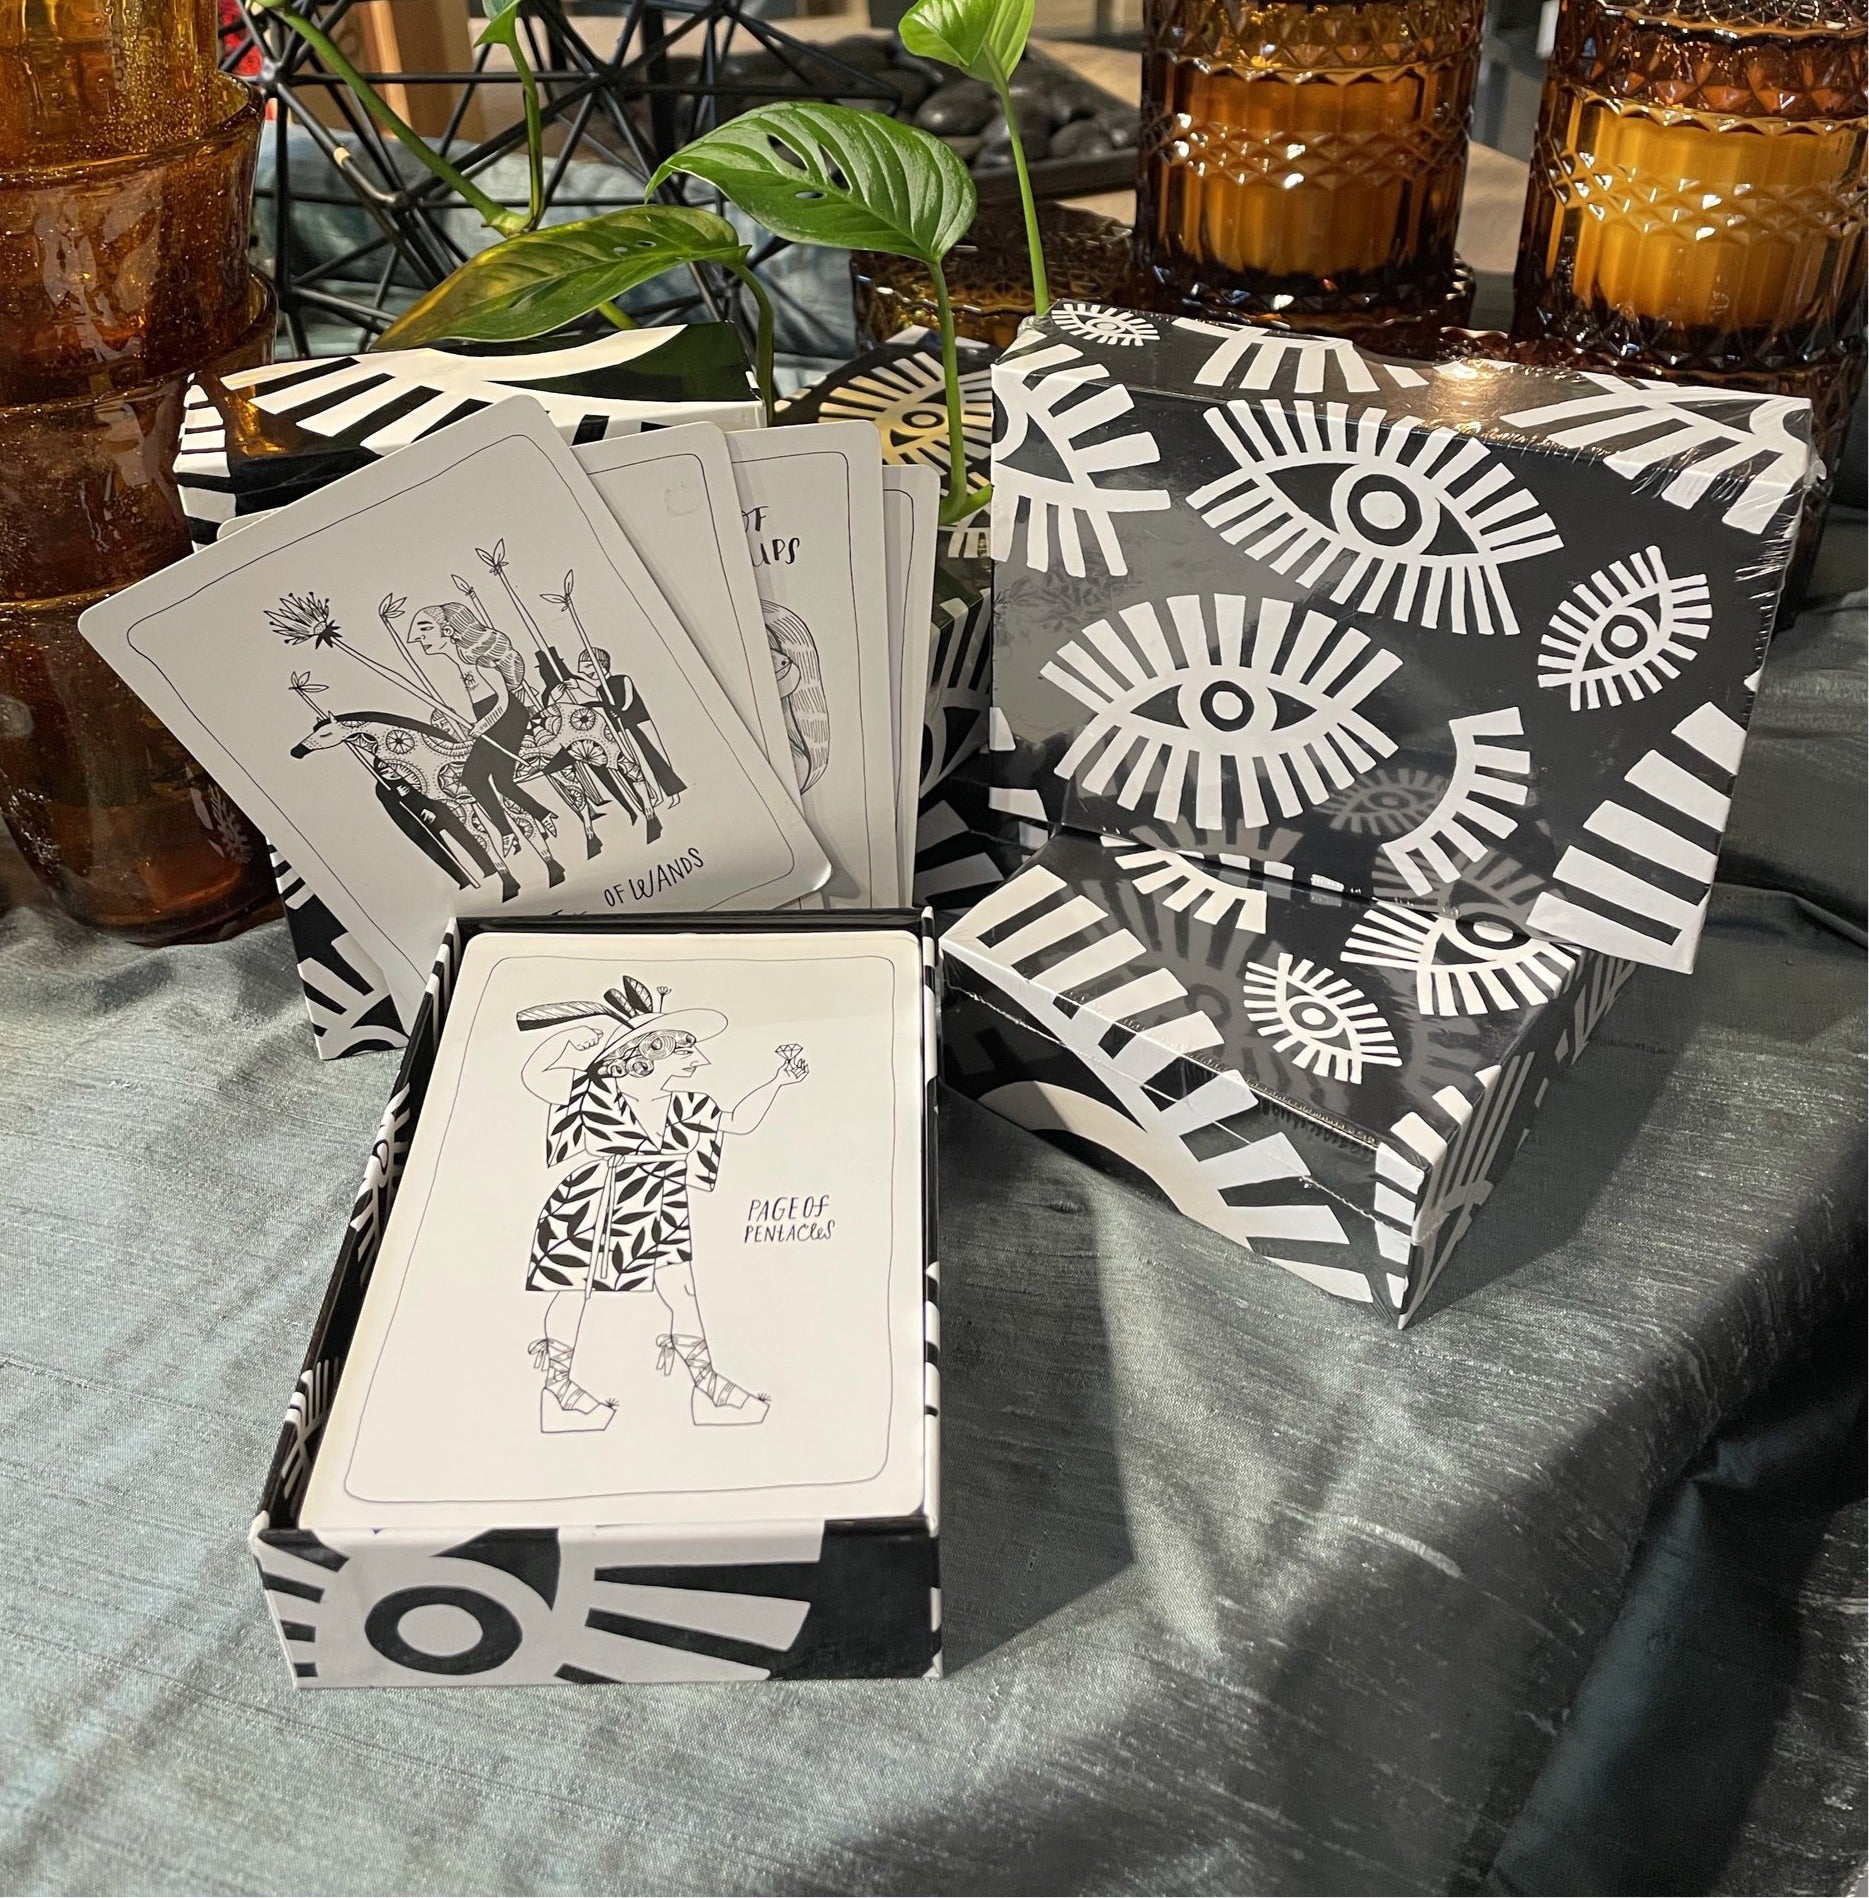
[{"x": 656, "y": 1255}]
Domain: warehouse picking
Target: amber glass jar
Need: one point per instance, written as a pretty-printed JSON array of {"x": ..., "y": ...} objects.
[
  {"x": 1696, "y": 204},
  {"x": 1305, "y": 161},
  {"x": 990, "y": 274},
  {"x": 126, "y": 172}
]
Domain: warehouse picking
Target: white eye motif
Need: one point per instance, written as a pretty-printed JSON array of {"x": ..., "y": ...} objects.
[
  {"x": 1481, "y": 806},
  {"x": 1470, "y": 964},
  {"x": 1624, "y": 632},
  {"x": 1208, "y": 722},
  {"x": 1250, "y": 358},
  {"x": 1393, "y": 517},
  {"x": 906, "y": 401},
  {"x": 1096, "y": 324},
  {"x": 1181, "y": 883},
  {"x": 1387, "y": 802},
  {"x": 1058, "y": 418},
  {"x": 1703, "y": 434},
  {"x": 1324, "y": 1023}
]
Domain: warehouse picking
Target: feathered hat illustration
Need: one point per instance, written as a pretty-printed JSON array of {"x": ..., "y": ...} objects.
[{"x": 633, "y": 1008}]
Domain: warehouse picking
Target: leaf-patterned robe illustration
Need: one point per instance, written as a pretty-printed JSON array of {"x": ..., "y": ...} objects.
[{"x": 624, "y": 1211}]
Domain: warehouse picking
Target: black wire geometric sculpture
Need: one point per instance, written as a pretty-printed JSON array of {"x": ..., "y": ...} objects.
[{"x": 669, "y": 67}]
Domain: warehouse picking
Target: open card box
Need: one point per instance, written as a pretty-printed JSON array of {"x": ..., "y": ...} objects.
[
  {"x": 1264, "y": 594},
  {"x": 1336, "y": 1086},
  {"x": 451, "y": 1505}
]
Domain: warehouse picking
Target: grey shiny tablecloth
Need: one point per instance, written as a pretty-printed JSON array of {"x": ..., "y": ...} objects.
[{"x": 1243, "y": 1591}]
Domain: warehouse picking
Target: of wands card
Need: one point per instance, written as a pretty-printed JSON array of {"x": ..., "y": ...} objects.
[
  {"x": 911, "y": 522},
  {"x": 811, "y": 500},
  {"x": 446, "y": 685},
  {"x": 656, "y": 1255},
  {"x": 673, "y": 494}
]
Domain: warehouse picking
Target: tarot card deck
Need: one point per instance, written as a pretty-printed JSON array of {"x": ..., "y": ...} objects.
[{"x": 628, "y": 1370}]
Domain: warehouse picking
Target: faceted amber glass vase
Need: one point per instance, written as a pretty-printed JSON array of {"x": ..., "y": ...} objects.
[
  {"x": 1696, "y": 204},
  {"x": 1305, "y": 162},
  {"x": 989, "y": 274},
  {"x": 126, "y": 173}
]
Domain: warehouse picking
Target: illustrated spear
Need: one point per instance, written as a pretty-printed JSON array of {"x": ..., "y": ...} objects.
[{"x": 496, "y": 564}]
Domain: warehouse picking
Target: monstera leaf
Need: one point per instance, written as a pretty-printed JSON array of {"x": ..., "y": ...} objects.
[
  {"x": 827, "y": 174},
  {"x": 535, "y": 283},
  {"x": 985, "y": 39}
]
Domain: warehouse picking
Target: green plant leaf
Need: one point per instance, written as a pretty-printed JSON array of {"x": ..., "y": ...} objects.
[
  {"x": 531, "y": 284},
  {"x": 825, "y": 174},
  {"x": 502, "y": 27},
  {"x": 985, "y": 39}
]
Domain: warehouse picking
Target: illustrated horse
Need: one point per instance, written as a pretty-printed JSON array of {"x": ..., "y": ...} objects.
[{"x": 417, "y": 767}]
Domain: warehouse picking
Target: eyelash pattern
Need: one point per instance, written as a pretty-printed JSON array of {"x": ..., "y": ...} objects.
[
  {"x": 1660, "y": 421},
  {"x": 1466, "y": 964},
  {"x": 1052, "y": 393},
  {"x": 1607, "y": 645},
  {"x": 1420, "y": 519},
  {"x": 1179, "y": 883},
  {"x": 1325, "y": 1024},
  {"x": 1094, "y": 323},
  {"x": 1643, "y": 891},
  {"x": 1188, "y": 711},
  {"x": 906, "y": 400},
  {"x": 1054, "y": 953},
  {"x": 1249, "y": 358},
  {"x": 954, "y": 715},
  {"x": 1481, "y": 806},
  {"x": 1431, "y": 1183},
  {"x": 1386, "y": 802}
]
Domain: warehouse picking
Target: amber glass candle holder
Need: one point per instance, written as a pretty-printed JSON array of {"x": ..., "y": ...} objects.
[
  {"x": 989, "y": 274},
  {"x": 123, "y": 269},
  {"x": 1304, "y": 161},
  {"x": 1696, "y": 204}
]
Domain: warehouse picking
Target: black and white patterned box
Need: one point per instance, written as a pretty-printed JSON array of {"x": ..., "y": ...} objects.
[
  {"x": 1384, "y": 622},
  {"x": 1336, "y": 1086},
  {"x": 787, "y": 1601}
]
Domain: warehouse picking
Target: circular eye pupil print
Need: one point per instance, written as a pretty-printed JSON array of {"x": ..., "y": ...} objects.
[
  {"x": 1494, "y": 931},
  {"x": 1314, "y": 1016},
  {"x": 1374, "y": 507},
  {"x": 1627, "y": 635},
  {"x": 926, "y": 418},
  {"x": 1228, "y": 707}
]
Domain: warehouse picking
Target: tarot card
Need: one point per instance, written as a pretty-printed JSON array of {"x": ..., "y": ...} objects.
[
  {"x": 447, "y": 684},
  {"x": 911, "y": 520},
  {"x": 812, "y": 503},
  {"x": 673, "y": 494},
  {"x": 656, "y": 1255}
]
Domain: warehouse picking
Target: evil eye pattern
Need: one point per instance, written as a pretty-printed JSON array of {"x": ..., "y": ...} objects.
[
  {"x": 906, "y": 401},
  {"x": 1051, "y": 460},
  {"x": 1247, "y": 358},
  {"x": 1093, "y": 323},
  {"x": 1467, "y": 964},
  {"x": 1714, "y": 432},
  {"x": 1390, "y": 800},
  {"x": 1322, "y": 1023},
  {"x": 1481, "y": 807},
  {"x": 1391, "y": 517},
  {"x": 1624, "y": 632},
  {"x": 1201, "y": 718},
  {"x": 1180, "y": 883}
]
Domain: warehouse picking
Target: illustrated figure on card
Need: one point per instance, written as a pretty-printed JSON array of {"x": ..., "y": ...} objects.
[
  {"x": 807, "y": 711},
  {"x": 463, "y": 783},
  {"x": 617, "y": 1081}
]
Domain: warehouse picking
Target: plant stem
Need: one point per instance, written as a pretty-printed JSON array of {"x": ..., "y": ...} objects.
[
  {"x": 961, "y": 498},
  {"x": 619, "y": 317},
  {"x": 1041, "y": 290},
  {"x": 763, "y": 359},
  {"x": 495, "y": 216},
  {"x": 535, "y": 134}
]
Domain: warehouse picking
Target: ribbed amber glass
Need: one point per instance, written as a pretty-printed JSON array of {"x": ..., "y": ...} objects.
[
  {"x": 1306, "y": 161},
  {"x": 1696, "y": 204},
  {"x": 126, "y": 170}
]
